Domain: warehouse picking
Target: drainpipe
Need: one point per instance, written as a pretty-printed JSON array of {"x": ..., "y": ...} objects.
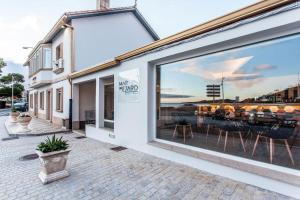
[{"x": 70, "y": 106}]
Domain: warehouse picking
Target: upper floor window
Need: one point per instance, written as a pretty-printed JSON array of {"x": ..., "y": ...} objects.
[
  {"x": 59, "y": 51},
  {"x": 47, "y": 58},
  {"x": 40, "y": 59}
]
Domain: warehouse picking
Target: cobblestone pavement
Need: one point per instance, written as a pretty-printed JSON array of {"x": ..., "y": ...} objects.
[{"x": 100, "y": 173}]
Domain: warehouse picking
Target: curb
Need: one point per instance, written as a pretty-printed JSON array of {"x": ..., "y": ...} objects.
[{"x": 9, "y": 132}]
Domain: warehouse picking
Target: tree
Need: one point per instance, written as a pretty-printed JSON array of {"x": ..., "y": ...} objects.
[
  {"x": 2, "y": 64},
  {"x": 6, "y": 82}
]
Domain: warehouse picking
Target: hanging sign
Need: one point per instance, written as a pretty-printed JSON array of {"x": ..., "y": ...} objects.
[{"x": 129, "y": 86}]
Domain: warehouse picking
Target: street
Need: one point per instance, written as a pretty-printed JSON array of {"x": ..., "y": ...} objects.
[{"x": 4, "y": 112}]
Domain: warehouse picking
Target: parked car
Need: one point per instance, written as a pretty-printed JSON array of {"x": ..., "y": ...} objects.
[{"x": 22, "y": 106}]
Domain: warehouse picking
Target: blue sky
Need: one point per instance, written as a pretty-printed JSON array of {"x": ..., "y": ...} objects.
[
  {"x": 249, "y": 72},
  {"x": 24, "y": 23}
]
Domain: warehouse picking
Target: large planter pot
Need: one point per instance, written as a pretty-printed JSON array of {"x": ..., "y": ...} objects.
[
  {"x": 53, "y": 165},
  {"x": 13, "y": 116},
  {"x": 24, "y": 121}
]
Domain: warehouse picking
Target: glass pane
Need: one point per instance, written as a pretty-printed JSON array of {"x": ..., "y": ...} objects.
[
  {"x": 243, "y": 101},
  {"x": 47, "y": 58},
  {"x": 109, "y": 102}
]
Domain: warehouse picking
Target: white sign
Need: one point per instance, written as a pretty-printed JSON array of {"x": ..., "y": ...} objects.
[{"x": 129, "y": 86}]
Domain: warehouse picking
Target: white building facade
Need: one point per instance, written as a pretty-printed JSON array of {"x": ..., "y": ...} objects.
[
  {"x": 157, "y": 99},
  {"x": 79, "y": 40}
]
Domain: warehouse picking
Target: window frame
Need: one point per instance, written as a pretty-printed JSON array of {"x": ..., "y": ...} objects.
[
  {"x": 108, "y": 120},
  {"x": 242, "y": 164},
  {"x": 59, "y": 51}
]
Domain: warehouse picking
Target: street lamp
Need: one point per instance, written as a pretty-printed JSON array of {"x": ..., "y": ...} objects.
[
  {"x": 12, "y": 91},
  {"x": 27, "y": 47}
]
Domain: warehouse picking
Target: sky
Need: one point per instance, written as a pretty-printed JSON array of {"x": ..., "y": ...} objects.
[
  {"x": 25, "y": 22},
  {"x": 248, "y": 72}
]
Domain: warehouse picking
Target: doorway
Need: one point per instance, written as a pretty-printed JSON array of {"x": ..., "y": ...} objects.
[{"x": 49, "y": 105}]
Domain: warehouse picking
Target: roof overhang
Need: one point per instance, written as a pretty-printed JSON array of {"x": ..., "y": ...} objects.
[
  {"x": 244, "y": 13},
  {"x": 93, "y": 69}
]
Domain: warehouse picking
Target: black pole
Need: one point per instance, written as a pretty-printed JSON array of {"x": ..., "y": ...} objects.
[{"x": 70, "y": 113}]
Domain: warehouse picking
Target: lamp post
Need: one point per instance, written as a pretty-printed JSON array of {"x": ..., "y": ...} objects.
[
  {"x": 298, "y": 85},
  {"x": 27, "y": 47},
  {"x": 12, "y": 91}
]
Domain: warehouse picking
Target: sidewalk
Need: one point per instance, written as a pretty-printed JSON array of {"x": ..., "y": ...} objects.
[
  {"x": 97, "y": 172},
  {"x": 36, "y": 127}
]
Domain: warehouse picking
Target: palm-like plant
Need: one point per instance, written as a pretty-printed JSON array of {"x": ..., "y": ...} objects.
[{"x": 53, "y": 144}]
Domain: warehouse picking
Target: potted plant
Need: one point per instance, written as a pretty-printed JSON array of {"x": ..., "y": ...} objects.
[
  {"x": 53, "y": 154},
  {"x": 14, "y": 114},
  {"x": 24, "y": 119}
]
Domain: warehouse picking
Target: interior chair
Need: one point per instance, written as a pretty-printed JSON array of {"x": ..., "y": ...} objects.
[{"x": 276, "y": 133}]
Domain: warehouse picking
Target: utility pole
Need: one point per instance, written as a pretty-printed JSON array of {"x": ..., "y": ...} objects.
[
  {"x": 222, "y": 83},
  {"x": 298, "y": 84}
]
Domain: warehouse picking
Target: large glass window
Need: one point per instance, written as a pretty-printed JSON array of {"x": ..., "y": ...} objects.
[{"x": 243, "y": 101}]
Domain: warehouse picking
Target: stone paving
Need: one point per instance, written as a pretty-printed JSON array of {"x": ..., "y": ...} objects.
[
  {"x": 100, "y": 173},
  {"x": 36, "y": 127}
]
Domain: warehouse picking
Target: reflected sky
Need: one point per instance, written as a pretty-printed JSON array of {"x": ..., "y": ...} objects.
[{"x": 248, "y": 72}]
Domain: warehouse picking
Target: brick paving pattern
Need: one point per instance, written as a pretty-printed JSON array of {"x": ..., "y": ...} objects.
[
  {"x": 37, "y": 127},
  {"x": 100, "y": 173}
]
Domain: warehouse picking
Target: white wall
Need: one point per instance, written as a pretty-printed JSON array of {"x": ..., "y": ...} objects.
[
  {"x": 101, "y": 38},
  {"x": 135, "y": 122},
  {"x": 66, "y": 96},
  {"x": 65, "y": 37}
]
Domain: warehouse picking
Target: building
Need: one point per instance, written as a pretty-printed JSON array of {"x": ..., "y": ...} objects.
[
  {"x": 79, "y": 40},
  {"x": 149, "y": 99}
]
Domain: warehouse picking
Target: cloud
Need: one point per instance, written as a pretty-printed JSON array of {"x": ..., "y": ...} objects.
[{"x": 15, "y": 33}]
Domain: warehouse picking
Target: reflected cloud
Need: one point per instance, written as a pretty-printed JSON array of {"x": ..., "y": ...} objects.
[
  {"x": 230, "y": 69},
  {"x": 264, "y": 67}
]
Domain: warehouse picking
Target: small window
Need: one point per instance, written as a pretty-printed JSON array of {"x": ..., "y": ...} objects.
[
  {"x": 42, "y": 94},
  {"x": 59, "y": 99},
  {"x": 31, "y": 100},
  {"x": 59, "y": 51}
]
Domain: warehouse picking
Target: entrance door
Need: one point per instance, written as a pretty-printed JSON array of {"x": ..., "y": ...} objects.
[
  {"x": 49, "y": 105},
  {"x": 35, "y": 104}
]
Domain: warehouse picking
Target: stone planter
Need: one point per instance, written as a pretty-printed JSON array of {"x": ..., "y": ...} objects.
[
  {"x": 13, "y": 116},
  {"x": 53, "y": 165},
  {"x": 24, "y": 121}
]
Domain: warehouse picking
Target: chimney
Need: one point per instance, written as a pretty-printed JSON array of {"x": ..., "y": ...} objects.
[{"x": 102, "y": 4}]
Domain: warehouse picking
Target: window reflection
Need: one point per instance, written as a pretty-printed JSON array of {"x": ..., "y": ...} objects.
[{"x": 243, "y": 101}]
